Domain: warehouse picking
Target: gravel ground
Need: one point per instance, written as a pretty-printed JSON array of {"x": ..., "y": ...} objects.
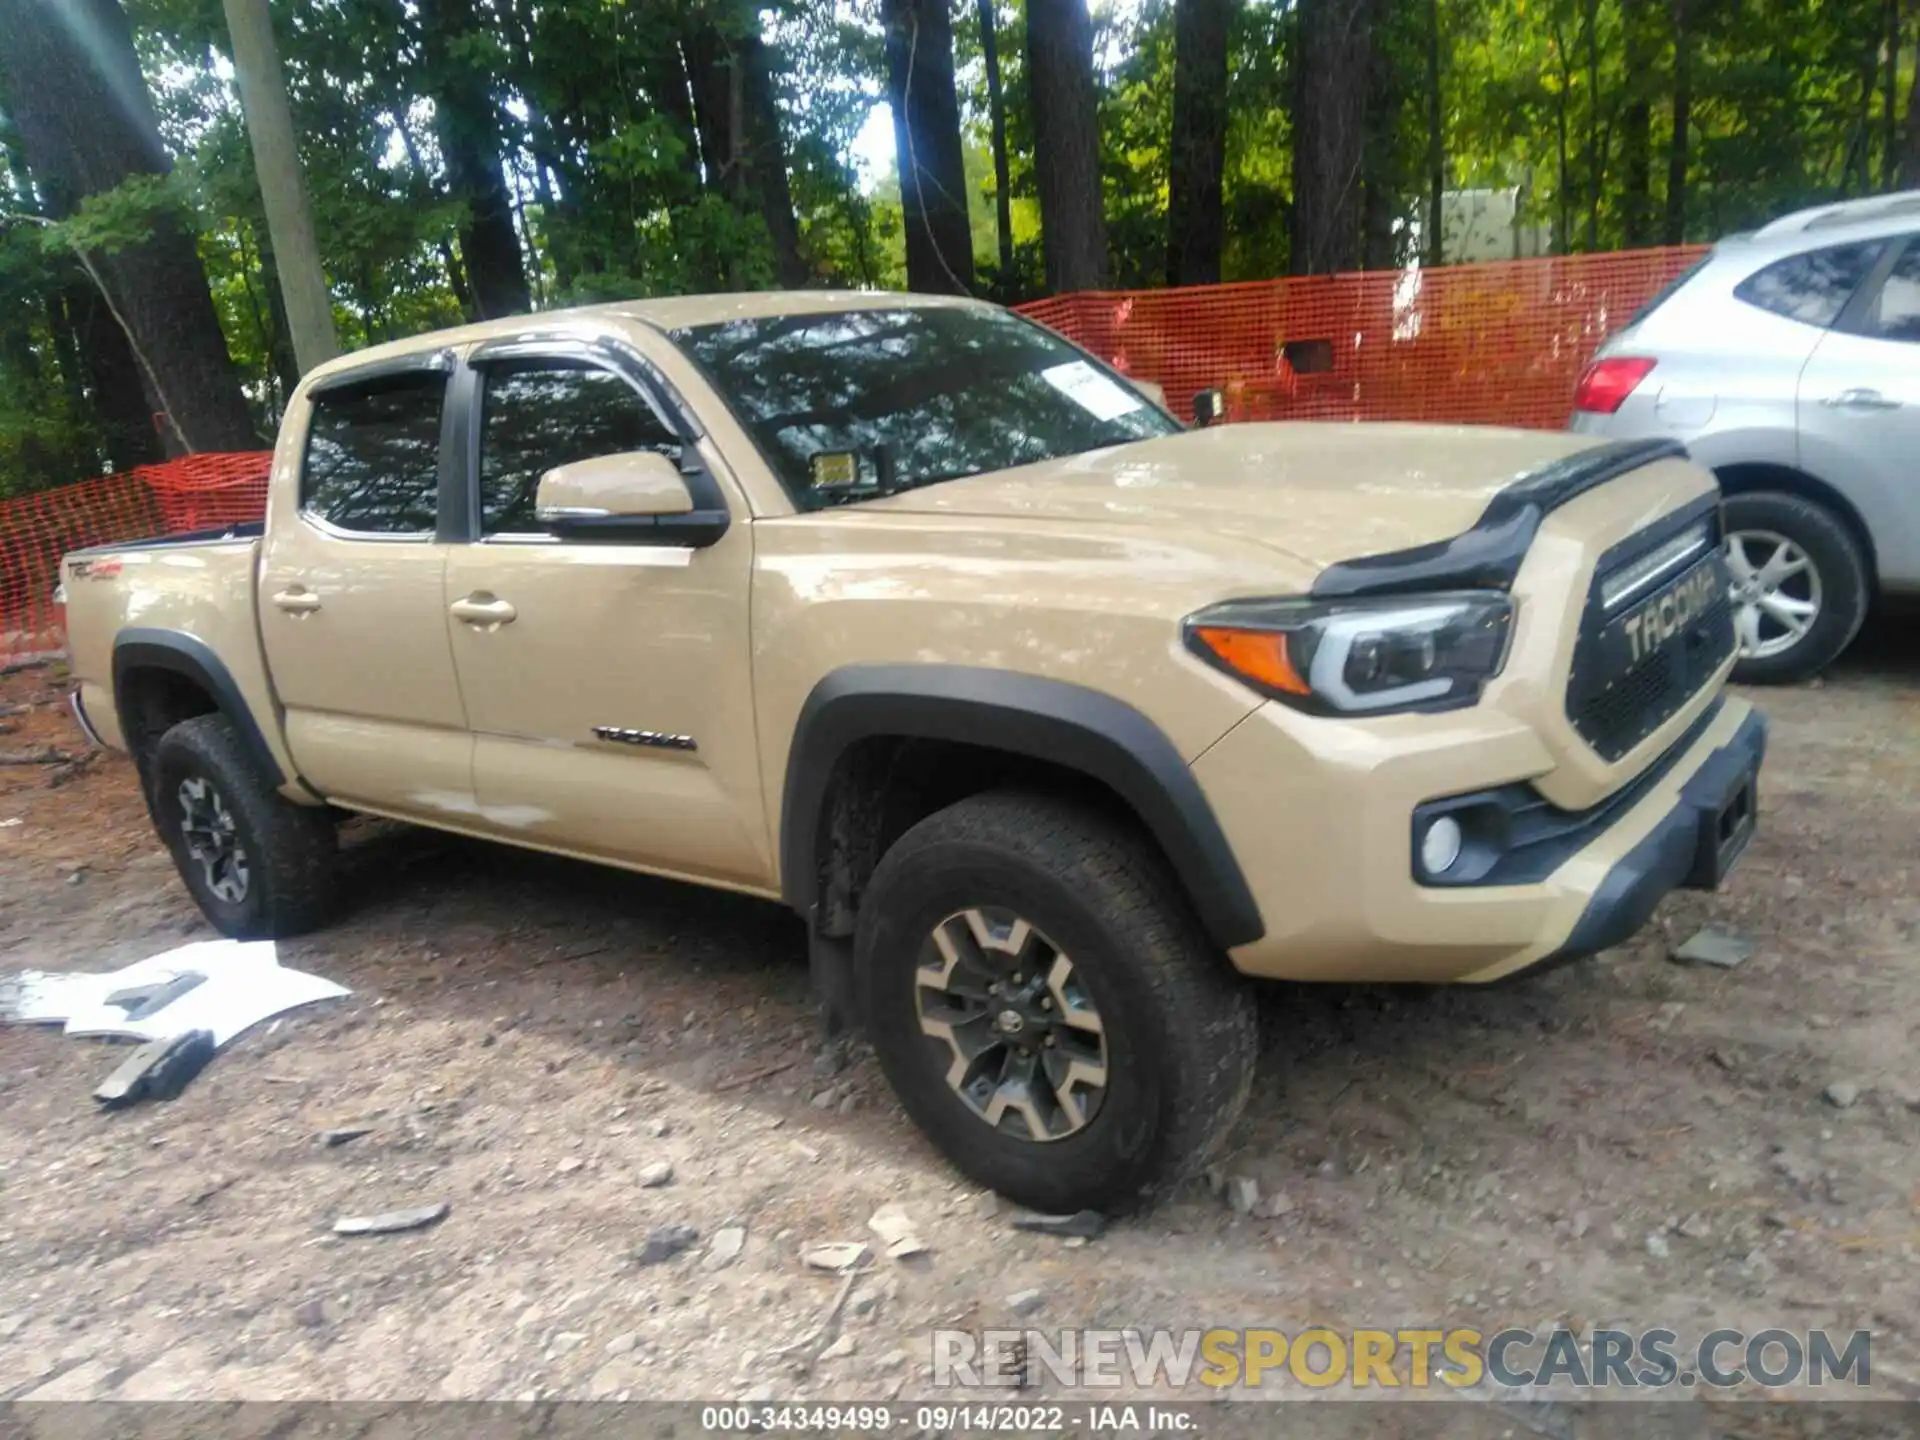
[{"x": 535, "y": 1043}]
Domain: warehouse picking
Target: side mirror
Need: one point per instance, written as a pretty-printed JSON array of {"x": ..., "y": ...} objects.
[
  {"x": 1209, "y": 408},
  {"x": 639, "y": 497},
  {"x": 1153, "y": 390}
]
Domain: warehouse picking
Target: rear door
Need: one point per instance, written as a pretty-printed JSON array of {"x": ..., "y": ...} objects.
[
  {"x": 1859, "y": 411},
  {"x": 351, "y": 600}
]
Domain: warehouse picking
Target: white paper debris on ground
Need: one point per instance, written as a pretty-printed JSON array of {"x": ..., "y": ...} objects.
[{"x": 239, "y": 984}]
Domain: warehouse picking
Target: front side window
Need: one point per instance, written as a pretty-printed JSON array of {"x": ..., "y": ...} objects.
[
  {"x": 373, "y": 456},
  {"x": 1812, "y": 288},
  {"x": 850, "y": 405},
  {"x": 542, "y": 413},
  {"x": 1896, "y": 309}
]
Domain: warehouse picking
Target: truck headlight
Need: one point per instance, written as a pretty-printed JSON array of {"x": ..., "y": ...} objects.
[{"x": 1359, "y": 657}]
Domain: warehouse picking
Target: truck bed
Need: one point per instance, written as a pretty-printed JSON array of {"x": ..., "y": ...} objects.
[
  {"x": 184, "y": 603},
  {"x": 249, "y": 530}
]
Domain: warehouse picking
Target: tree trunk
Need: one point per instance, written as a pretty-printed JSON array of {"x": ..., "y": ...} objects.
[
  {"x": 926, "y": 137},
  {"x": 122, "y": 406},
  {"x": 1596, "y": 160},
  {"x": 1436, "y": 141},
  {"x": 1197, "y": 158},
  {"x": 86, "y": 125},
  {"x": 557, "y": 212},
  {"x": 1890, "y": 101},
  {"x": 1333, "y": 60},
  {"x": 738, "y": 115},
  {"x": 668, "y": 87},
  {"x": 66, "y": 353},
  {"x": 282, "y": 358},
  {"x": 1858, "y": 168},
  {"x": 1066, "y": 144},
  {"x": 1562, "y": 125},
  {"x": 467, "y": 122},
  {"x": 710, "y": 73},
  {"x": 709, "y": 66},
  {"x": 1675, "y": 230},
  {"x": 1636, "y": 130},
  {"x": 767, "y": 162},
  {"x": 283, "y": 183},
  {"x": 1910, "y": 151},
  {"x": 997, "y": 114}
]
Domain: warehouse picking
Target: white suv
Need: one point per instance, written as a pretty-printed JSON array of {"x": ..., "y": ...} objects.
[{"x": 1788, "y": 360}]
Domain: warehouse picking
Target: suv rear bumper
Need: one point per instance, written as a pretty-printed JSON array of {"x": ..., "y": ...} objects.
[{"x": 1329, "y": 857}]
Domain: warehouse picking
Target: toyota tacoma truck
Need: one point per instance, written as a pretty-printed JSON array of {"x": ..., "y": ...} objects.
[{"x": 1054, "y": 720}]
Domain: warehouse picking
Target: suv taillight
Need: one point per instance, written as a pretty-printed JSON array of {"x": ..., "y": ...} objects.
[{"x": 1606, "y": 384}]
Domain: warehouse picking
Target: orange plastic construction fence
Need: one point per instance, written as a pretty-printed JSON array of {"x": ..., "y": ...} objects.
[
  {"x": 195, "y": 492},
  {"x": 1496, "y": 344},
  {"x": 1493, "y": 344}
]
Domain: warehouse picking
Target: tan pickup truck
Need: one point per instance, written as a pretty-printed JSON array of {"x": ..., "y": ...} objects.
[{"x": 1051, "y": 718}]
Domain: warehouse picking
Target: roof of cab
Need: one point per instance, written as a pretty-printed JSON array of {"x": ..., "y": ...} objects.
[{"x": 671, "y": 312}]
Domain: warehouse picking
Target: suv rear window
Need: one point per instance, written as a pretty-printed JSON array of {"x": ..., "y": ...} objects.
[
  {"x": 373, "y": 457},
  {"x": 1812, "y": 288}
]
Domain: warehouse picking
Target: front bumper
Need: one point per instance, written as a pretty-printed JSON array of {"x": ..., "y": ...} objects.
[
  {"x": 1328, "y": 856},
  {"x": 1677, "y": 853}
]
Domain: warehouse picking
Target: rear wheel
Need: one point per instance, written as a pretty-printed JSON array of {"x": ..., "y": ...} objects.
[
  {"x": 1046, "y": 1006},
  {"x": 1799, "y": 586},
  {"x": 259, "y": 866}
]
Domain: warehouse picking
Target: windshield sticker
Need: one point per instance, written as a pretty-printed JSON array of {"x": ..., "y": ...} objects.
[
  {"x": 1092, "y": 391},
  {"x": 835, "y": 470}
]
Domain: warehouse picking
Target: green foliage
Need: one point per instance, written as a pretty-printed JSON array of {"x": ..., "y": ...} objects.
[
  {"x": 46, "y": 438},
  {"x": 1136, "y": 119},
  {"x": 615, "y": 196},
  {"x": 115, "y": 219}
]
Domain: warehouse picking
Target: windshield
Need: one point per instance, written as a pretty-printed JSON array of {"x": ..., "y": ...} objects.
[{"x": 849, "y": 405}]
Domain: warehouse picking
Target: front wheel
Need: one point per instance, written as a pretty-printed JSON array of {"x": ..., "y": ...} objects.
[
  {"x": 259, "y": 866},
  {"x": 1045, "y": 1005},
  {"x": 1799, "y": 586}
]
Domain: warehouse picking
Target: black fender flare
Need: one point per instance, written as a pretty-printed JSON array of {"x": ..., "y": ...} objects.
[
  {"x": 174, "y": 650},
  {"x": 1052, "y": 720}
]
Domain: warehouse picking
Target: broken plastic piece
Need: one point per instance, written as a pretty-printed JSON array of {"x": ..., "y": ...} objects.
[
  {"x": 1087, "y": 1224},
  {"x": 392, "y": 1221},
  {"x": 242, "y": 984},
  {"x": 140, "y": 1001},
  {"x": 158, "y": 1070},
  {"x": 1715, "y": 946}
]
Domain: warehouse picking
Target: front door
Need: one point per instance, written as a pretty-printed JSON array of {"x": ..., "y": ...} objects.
[
  {"x": 1859, "y": 413},
  {"x": 352, "y": 609},
  {"x": 607, "y": 684}
]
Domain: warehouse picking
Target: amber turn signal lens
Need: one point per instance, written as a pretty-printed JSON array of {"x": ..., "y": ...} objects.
[{"x": 1259, "y": 655}]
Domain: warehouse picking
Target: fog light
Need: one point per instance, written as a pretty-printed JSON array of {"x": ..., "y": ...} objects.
[{"x": 1440, "y": 846}]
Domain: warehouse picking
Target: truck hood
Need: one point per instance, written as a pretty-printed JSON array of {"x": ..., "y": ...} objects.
[{"x": 1319, "y": 492}]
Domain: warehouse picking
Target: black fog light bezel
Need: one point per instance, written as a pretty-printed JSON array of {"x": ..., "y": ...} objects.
[{"x": 1485, "y": 835}]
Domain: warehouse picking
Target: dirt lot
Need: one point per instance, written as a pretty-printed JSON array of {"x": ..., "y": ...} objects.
[{"x": 1625, "y": 1140}]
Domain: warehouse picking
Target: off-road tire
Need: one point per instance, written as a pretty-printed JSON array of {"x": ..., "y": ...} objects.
[
  {"x": 1842, "y": 570},
  {"x": 1180, "y": 1025},
  {"x": 289, "y": 848}
]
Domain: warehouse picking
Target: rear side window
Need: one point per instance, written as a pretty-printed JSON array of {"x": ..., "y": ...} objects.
[
  {"x": 1812, "y": 288},
  {"x": 543, "y": 413},
  {"x": 1896, "y": 309},
  {"x": 373, "y": 457}
]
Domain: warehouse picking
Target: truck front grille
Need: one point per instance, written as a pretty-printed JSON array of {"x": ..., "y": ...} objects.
[{"x": 1636, "y": 664}]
